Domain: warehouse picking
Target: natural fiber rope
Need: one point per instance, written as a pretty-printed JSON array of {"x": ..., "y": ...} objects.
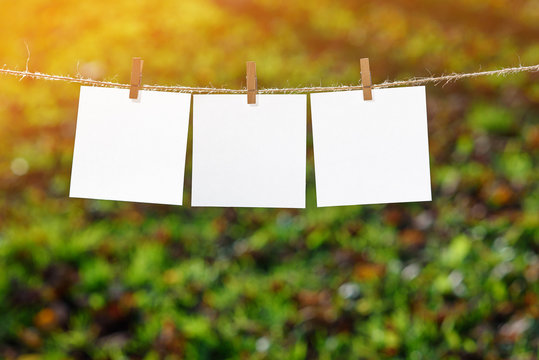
[{"x": 299, "y": 90}]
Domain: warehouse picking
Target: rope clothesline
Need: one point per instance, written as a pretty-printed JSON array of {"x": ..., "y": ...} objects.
[{"x": 298, "y": 90}]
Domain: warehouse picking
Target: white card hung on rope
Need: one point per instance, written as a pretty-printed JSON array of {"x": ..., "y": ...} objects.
[
  {"x": 130, "y": 149},
  {"x": 370, "y": 152},
  {"x": 249, "y": 155}
]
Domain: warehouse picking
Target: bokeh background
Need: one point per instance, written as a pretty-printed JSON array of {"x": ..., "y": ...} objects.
[{"x": 455, "y": 278}]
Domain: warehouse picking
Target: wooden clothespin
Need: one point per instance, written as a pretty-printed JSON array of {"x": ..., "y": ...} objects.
[
  {"x": 366, "y": 82},
  {"x": 136, "y": 78},
  {"x": 252, "y": 82}
]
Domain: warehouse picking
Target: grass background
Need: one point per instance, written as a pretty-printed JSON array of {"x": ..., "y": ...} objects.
[{"x": 453, "y": 278}]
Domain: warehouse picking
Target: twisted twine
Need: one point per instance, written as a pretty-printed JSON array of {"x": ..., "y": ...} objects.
[{"x": 299, "y": 90}]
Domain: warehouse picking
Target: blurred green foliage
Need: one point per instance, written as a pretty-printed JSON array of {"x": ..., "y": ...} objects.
[{"x": 454, "y": 278}]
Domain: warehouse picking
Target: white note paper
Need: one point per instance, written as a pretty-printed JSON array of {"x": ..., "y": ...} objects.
[
  {"x": 130, "y": 150},
  {"x": 370, "y": 152},
  {"x": 249, "y": 155}
]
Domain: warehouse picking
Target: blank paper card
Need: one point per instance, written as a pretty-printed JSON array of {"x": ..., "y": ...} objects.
[
  {"x": 130, "y": 150},
  {"x": 371, "y": 152},
  {"x": 249, "y": 155}
]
